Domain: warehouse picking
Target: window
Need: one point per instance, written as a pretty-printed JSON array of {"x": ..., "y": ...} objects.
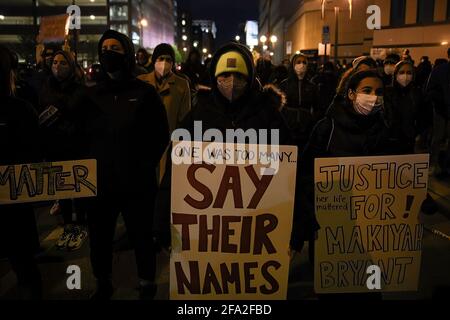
[
  {"x": 118, "y": 12},
  {"x": 448, "y": 10},
  {"x": 425, "y": 11},
  {"x": 398, "y": 9}
]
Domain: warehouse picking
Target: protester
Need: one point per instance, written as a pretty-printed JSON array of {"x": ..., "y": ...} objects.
[
  {"x": 326, "y": 81},
  {"x": 20, "y": 145},
  {"x": 60, "y": 101},
  {"x": 389, "y": 67},
  {"x": 236, "y": 101},
  {"x": 438, "y": 95},
  {"x": 302, "y": 100},
  {"x": 264, "y": 68},
  {"x": 127, "y": 132},
  {"x": 404, "y": 108},
  {"x": 43, "y": 66},
  {"x": 279, "y": 74},
  {"x": 406, "y": 56},
  {"x": 423, "y": 72},
  {"x": 353, "y": 126},
  {"x": 22, "y": 89},
  {"x": 173, "y": 89},
  {"x": 359, "y": 64},
  {"x": 144, "y": 60},
  {"x": 193, "y": 68},
  {"x": 364, "y": 63}
]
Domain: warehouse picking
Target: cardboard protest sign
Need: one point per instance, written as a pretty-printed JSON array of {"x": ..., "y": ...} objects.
[
  {"x": 48, "y": 181},
  {"x": 53, "y": 28},
  {"x": 368, "y": 210},
  {"x": 231, "y": 221}
]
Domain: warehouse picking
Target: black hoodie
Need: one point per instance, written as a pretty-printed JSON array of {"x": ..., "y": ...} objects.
[{"x": 126, "y": 130}]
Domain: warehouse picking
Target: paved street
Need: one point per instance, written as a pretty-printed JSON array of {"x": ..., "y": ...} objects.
[{"x": 53, "y": 262}]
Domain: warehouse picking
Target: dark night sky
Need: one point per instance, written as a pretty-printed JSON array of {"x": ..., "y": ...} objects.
[{"x": 226, "y": 13}]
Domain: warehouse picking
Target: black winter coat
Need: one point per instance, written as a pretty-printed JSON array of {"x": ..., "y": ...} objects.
[
  {"x": 301, "y": 107},
  {"x": 438, "y": 90},
  {"x": 259, "y": 110},
  {"x": 60, "y": 140},
  {"x": 126, "y": 130},
  {"x": 405, "y": 114}
]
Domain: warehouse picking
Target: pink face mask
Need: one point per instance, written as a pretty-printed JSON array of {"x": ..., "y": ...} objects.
[{"x": 366, "y": 104}]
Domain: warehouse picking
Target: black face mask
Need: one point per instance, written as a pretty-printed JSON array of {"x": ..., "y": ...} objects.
[{"x": 112, "y": 61}]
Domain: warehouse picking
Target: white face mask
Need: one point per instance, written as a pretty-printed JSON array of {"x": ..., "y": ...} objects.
[
  {"x": 232, "y": 87},
  {"x": 300, "y": 69},
  {"x": 367, "y": 104},
  {"x": 404, "y": 79},
  {"x": 389, "y": 69},
  {"x": 163, "y": 68}
]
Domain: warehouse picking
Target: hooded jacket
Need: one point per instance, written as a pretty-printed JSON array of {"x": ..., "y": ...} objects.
[
  {"x": 126, "y": 130},
  {"x": 405, "y": 113},
  {"x": 59, "y": 107}
]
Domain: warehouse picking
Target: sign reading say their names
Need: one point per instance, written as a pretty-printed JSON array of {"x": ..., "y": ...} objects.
[
  {"x": 368, "y": 209},
  {"x": 231, "y": 223},
  {"x": 48, "y": 181}
]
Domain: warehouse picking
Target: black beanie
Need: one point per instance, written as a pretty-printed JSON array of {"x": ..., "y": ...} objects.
[{"x": 161, "y": 50}]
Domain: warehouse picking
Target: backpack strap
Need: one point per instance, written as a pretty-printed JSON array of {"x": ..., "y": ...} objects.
[{"x": 331, "y": 135}]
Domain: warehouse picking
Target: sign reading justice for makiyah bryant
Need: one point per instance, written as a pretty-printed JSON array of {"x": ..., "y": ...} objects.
[
  {"x": 368, "y": 209},
  {"x": 231, "y": 215}
]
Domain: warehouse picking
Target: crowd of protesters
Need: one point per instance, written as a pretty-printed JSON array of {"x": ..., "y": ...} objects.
[{"x": 125, "y": 119}]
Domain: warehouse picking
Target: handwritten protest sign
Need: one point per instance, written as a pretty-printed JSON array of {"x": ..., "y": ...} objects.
[
  {"x": 368, "y": 211},
  {"x": 231, "y": 223},
  {"x": 48, "y": 181},
  {"x": 53, "y": 28}
]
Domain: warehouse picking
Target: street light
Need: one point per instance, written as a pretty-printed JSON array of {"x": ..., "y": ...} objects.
[
  {"x": 184, "y": 37},
  {"x": 205, "y": 50},
  {"x": 92, "y": 17},
  {"x": 265, "y": 47},
  {"x": 263, "y": 39},
  {"x": 185, "y": 49},
  {"x": 273, "y": 39},
  {"x": 237, "y": 38},
  {"x": 144, "y": 22}
]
